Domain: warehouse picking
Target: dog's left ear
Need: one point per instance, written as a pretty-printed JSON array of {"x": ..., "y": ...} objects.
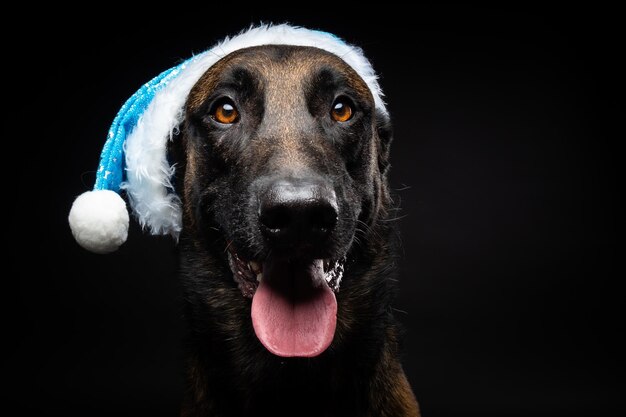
[{"x": 385, "y": 135}]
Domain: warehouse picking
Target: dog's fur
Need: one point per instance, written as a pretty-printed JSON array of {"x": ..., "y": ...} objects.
[{"x": 284, "y": 96}]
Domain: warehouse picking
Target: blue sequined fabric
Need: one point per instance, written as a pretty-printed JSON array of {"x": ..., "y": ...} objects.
[{"x": 111, "y": 169}]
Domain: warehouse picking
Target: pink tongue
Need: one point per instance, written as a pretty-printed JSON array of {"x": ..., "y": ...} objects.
[{"x": 294, "y": 312}]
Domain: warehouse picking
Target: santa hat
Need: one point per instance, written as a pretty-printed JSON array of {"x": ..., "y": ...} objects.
[{"x": 134, "y": 157}]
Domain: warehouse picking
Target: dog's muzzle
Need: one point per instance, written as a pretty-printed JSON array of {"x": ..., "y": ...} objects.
[{"x": 294, "y": 309}]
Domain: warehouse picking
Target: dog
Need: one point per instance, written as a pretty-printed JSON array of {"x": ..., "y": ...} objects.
[
  {"x": 267, "y": 158},
  {"x": 286, "y": 250}
]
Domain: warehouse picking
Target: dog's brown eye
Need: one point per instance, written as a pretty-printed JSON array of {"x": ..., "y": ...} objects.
[
  {"x": 341, "y": 111},
  {"x": 225, "y": 112}
]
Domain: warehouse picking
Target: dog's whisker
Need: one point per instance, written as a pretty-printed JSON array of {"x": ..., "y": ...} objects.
[
  {"x": 398, "y": 310},
  {"x": 230, "y": 242},
  {"x": 393, "y": 219},
  {"x": 366, "y": 229}
]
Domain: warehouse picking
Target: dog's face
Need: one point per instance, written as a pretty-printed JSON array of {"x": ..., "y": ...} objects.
[{"x": 285, "y": 157}]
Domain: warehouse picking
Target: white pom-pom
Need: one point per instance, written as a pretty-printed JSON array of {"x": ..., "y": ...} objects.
[{"x": 99, "y": 221}]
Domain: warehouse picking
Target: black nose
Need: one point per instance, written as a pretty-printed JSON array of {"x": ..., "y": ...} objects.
[{"x": 297, "y": 213}]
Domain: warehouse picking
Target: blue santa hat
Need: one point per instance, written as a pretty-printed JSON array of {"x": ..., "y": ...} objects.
[{"x": 134, "y": 157}]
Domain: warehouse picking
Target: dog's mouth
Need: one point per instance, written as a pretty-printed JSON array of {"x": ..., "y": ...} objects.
[{"x": 294, "y": 309}]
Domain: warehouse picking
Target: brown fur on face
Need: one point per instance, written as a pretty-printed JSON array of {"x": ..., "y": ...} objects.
[
  {"x": 283, "y": 95},
  {"x": 286, "y": 118}
]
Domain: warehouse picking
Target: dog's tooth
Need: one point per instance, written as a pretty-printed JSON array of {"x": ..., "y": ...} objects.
[
  {"x": 254, "y": 266},
  {"x": 259, "y": 276}
]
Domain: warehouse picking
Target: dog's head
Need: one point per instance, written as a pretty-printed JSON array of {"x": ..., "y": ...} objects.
[
  {"x": 284, "y": 161},
  {"x": 280, "y": 147}
]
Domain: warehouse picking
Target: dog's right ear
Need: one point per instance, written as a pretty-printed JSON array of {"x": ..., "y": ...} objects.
[{"x": 385, "y": 136}]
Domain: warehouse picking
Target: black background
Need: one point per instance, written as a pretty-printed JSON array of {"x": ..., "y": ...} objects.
[{"x": 502, "y": 159}]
